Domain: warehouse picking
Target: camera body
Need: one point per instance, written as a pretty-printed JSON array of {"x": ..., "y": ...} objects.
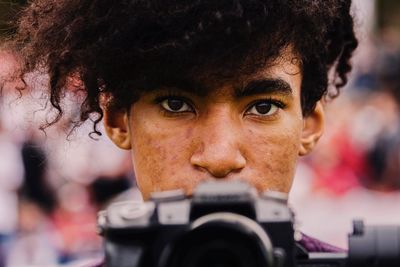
[
  {"x": 226, "y": 223},
  {"x": 222, "y": 224}
]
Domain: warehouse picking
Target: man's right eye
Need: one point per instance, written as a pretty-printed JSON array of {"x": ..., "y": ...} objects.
[{"x": 175, "y": 105}]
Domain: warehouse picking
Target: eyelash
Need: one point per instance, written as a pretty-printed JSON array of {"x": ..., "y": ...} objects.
[
  {"x": 279, "y": 105},
  {"x": 273, "y": 101},
  {"x": 159, "y": 99}
]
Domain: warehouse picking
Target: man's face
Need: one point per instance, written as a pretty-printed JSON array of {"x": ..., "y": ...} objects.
[{"x": 252, "y": 129}]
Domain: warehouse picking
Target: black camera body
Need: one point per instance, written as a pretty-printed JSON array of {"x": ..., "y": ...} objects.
[
  {"x": 222, "y": 224},
  {"x": 226, "y": 223}
]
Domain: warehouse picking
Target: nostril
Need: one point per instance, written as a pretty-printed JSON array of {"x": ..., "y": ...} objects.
[
  {"x": 221, "y": 175},
  {"x": 200, "y": 168},
  {"x": 219, "y": 167}
]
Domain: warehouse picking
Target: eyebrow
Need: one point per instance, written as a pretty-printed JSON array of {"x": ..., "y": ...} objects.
[{"x": 264, "y": 86}]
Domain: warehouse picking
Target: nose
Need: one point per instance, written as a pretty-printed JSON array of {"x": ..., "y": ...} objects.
[{"x": 218, "y": 149}]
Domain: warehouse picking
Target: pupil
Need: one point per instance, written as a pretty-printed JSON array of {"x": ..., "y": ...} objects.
[
  {"x": 175, "y": 104},
  {"x": 263, "y": 108}
]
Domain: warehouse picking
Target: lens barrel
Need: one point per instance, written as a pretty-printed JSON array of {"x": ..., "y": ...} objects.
[
  {"x": 374, "y": 246},
  {"x": 220, "y": 240}
]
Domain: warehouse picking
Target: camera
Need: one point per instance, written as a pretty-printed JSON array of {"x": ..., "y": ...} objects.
[{"x": 227, "y": 223}]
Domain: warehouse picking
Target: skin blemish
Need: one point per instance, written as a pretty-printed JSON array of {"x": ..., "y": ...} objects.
[
  {"x": 189, "y": 133},
  {"x": 223, "y": 142}
]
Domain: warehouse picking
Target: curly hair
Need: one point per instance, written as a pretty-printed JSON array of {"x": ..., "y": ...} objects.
[{"x": 124, "y": 48}]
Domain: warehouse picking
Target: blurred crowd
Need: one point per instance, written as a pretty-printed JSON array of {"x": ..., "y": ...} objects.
[
  {"x": 53, "y": 182},
  {"x": 361, "y": 144}
]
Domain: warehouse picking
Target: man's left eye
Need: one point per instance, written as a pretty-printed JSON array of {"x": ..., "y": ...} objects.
[
  {"x": 263, "y": 108},
  {"x": 175, "y": 105}
]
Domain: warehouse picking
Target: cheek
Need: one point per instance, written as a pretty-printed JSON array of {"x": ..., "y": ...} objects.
[
  {"x": 273, "y": 156},
  {"x": 159, "y": 155}
]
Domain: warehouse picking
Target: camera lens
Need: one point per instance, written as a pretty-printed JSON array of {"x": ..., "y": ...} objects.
[
  {"x": 215, "y": 247},
  {"x": 221, "y": 241},
  {"x": 377, "y": 246}
]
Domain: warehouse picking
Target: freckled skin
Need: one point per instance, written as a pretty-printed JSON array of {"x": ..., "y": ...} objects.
[{"x": 219, "y": 140}]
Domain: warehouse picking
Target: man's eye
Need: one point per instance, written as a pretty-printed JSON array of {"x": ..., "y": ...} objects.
[
  {"x": 175, "y": 105},
  {"x": 263, "y": 108}
]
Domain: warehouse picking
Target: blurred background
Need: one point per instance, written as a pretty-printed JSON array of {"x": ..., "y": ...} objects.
[{"x": 53, "y": 184}]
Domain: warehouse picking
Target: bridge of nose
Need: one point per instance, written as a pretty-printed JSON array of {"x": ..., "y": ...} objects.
[{"x": 219, "y": 142}]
